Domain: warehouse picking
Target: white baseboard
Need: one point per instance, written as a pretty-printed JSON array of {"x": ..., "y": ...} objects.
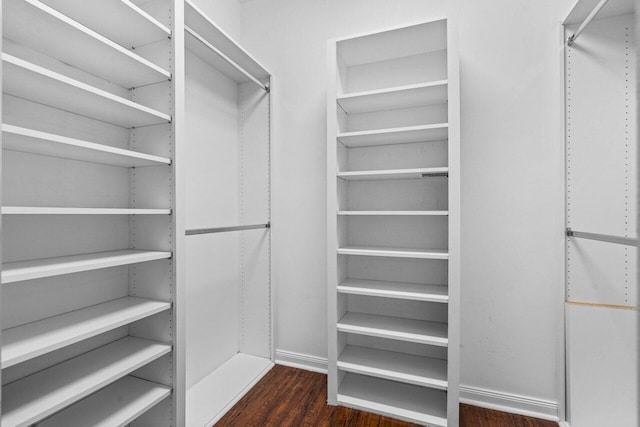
[
  {"x": 564, "y": 424},
  {"x": 302, "y": 361},
  {"x": 516, "y": 404}
]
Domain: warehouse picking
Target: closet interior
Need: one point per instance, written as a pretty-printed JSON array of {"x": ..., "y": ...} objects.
[
  {"x": 393, "y": 222},
  {"x": 229, "y": 343},
  {"x": 601, "y": 297}
]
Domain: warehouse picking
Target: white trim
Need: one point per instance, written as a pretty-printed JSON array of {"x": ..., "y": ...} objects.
[
  {"x": 564, "y": 424},
  {"x": 302, "y": 361},
  {"x": 508, "y": 402}
]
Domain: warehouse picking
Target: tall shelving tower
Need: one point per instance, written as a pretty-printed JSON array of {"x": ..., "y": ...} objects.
[
  {"x": 91, "y": 295},
  {"x": 394, "y": 222}
]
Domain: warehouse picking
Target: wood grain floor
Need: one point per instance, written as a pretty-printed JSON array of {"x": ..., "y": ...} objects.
[{"x": 293, "y": 397}]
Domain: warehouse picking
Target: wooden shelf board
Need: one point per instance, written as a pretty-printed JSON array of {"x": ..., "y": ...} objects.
[
  {"x": 414, "y": 173},
  {"x": 44, "y": 393},
  {"x": 48, "y": 267},
  {"x": 29, "y": 81},
  {"x": 394, "y": 252},
  {"x": 404, "y": 401},
  {"x": 117, "y": 404},
  {"x": 34, "y": 339},
  {"x": 38, "y": 210},
  {"x": 404, "y": 135},
  {"x": 393, "y": 213},
  {"x": 121, "y": 21},
  {"x": 25, "y": 140},
  {"x": 417, "y": 95},
  {"x": 406, "y": 368},
  {"x": 199, "y": 22},
  {"x": 91, "y": 51},
  {"x": 210, "y": 398},
  {"x": 396, "y": 328},
  {"x": 398, "y": 290}
]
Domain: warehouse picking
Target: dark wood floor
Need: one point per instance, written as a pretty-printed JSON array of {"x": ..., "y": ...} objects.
[{"x": 294, "y": 397}]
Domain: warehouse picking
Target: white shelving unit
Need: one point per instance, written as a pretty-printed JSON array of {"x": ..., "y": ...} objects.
[
  {"x": 26, "y": 80},
  {"x": 229, "y": 316},
  {"x": 402, "y": 135},
  {"x": 393, "y": 220},
  {"x": 92, "y": 221},
  {"x": 393, "y": 174},
  {"x": 117, "y": 404},
  {"x": 18, "y": 271},
  {"x": 42, "y": 394},
  {"x": 16, "y": 138}
]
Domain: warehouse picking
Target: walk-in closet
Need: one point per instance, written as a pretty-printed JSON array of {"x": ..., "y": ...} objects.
[{"x": 341, "y": 213}]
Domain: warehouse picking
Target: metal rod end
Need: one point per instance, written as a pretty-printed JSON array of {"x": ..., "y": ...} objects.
[
  {"x": 570, "y": 40},
  {"x": 569, "y": 232}
]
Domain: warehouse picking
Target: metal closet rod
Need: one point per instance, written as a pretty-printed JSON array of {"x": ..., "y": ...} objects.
[
  {"x": 603, "y": 237},
  {"x": 586, "y": 22},
  {"x": 225, "y": 57},
  {"x": 225, "y": 229}
]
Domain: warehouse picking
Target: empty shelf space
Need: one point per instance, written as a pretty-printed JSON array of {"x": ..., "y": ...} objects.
[
  {"x": 47, "y": 267},
  {"x": 393, "y": 213},
  {"x": 29, "y": 81},
  {"x": 115, "y": 405},
  {"x": 33, "y": 210},
  {"x": 37, "y": 396},
  {"x": 209, "y": 398},
  {"x": 37, "y": 338},
  {"x": 25, "y": 140},
  {"x": 406, "y": 368},
  {"x": 394, "y": 174},
  {"x": 91, "y": 51},
  {"x": 395, "y": 98},
  {"x": 394, "y": 252},
  {"x": 398, "y": 290},
  {"x": 196, "y": 21},
  {"x": 396, "y": 328},
  {"x": 121, "y": 21},
  {"x": 403, "y": 401},
  {"x": 403, "y": 135}
]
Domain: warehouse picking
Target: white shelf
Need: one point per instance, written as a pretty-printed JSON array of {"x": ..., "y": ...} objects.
[
  {"x": 37, "y": 338},
  {"x": 396, "y": 328},
  {"x": 393, "y": 174},
  {"x": 404, "y": 401},
  {"x": 403, "y": 135},
  {"x": 33, "y": 210},
  {"x": 395, "y": 98},
  {"x": 115, "y": 405},
  {"x": 25, "y": 140},
  {"x": 29, "y": 81},
  {"x": 394, "y": 252},
  {"x": 121, "y": 21},
  {"x": 47, "y": 267},
  {"x": 37, "y": 396},
  {"x": 90, "y": 51},
  {"x": 397, "y": 290},
  {"x": 210, "y": 398},
  {"x": 406, "y": 368},
  {"x": 393, "y": 213},
  {"x": 199, "y": 22}
]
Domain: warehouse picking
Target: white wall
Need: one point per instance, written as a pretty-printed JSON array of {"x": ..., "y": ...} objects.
[{"x": 512, "y": 179}]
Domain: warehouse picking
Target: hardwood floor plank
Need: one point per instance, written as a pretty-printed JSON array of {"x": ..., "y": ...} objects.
[{"x": 289, "y": 397}]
